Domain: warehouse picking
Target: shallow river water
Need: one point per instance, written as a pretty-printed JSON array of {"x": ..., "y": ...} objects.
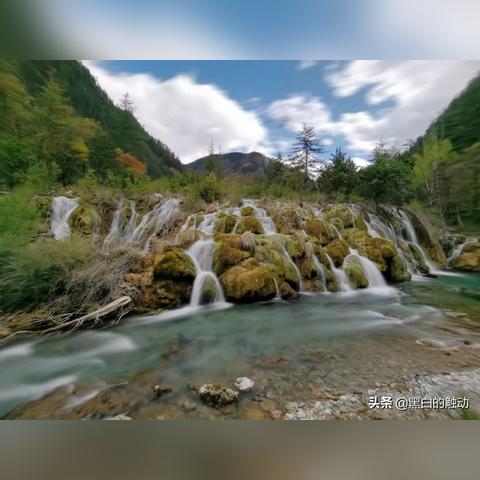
[{"x": 298, "y": 351}]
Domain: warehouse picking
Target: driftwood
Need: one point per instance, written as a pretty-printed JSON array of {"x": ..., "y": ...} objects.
[{"x": 120, "y": 307}]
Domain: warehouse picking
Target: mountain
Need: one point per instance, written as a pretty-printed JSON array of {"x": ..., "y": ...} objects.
[
  {"x": 89, "y": 100},
  {"x": 251, "y": 164},
  {"x": 460, "y": 121}
]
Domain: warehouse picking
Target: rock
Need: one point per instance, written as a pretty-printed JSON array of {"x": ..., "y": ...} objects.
[
  {"x": 397, "y": 270},
  {"x": 244, "y": 384},
  {"x": 339, "y": 214},
  {"x": 254, "y": 412},
  {"x": 248, "y": 282},
  {"x": 313, "y": 286},
  {"x": 276, "y": 415},
  {"x": 418, "y": 258},
  {"x": 174, "y": 264},
  {"x": 85, "y": 221},
  {"x": 469, "y": 258},
  {"x": 228, "y": 253},
  {"x": 247, "y": 211},
  {"x": 286, "y": 291},
  {"x": 337, "y": 250},
  {"x": 217, "y": 395},
  {"x": 321, "y": 230},
  {"x": 226, "y": 224},
  {"x": 250, "y": 224},
  {"x": 355, "y": 272},
  {"x": 161, "y": 390}
]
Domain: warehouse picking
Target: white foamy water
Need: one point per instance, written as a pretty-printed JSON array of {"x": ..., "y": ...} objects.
[{"x": 62, "y": 208}]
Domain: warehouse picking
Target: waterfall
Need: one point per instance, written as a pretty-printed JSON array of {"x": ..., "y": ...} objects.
[
  {"x": 287, "y": 256},
  {"x": 62, "y": 208},
  {"x": 373, "y": 274},
  {"x": 412, "y": 238},
  {"x": 267, "y": 223},
  {"x": 208, "y": 223},
  {"x": 201, "y": 253},
  {"x": 340, "y": 276},
  {"x": 310, "y": 251}
]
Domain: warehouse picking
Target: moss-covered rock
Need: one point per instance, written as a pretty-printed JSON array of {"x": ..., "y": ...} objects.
[
  {"x": 320, "y": 230},
  {"x": 286, "y": 291},
  {"x": 355, "y": 272},
  {"x": 209, "y": 291},
  {"x": 339, "y": 213},
  {"x": 337, "y": 250},
  {"x": 85, "y": 220},
  {"x": 332, "y": 284},
  {"x": 397, "y": 270},
  {"x": 247, "y": 211},
  {"x": 228, "y": 254},
  {"x": 248, "y": 282},
  {"x": 469, "y": 258},
  {"x": 225, "y": 224},
  {"x": 287, "y": 218},
  {"x": 378, "y": 250},
  {"x": 313, "y": 285},
  {"x": 251, "y": 224},
  {"x": 418, "y": 258},
  {"x": 174, "y": 264}
]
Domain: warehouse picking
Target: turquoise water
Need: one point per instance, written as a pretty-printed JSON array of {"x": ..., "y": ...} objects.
[{"x": 339, "y": 340}]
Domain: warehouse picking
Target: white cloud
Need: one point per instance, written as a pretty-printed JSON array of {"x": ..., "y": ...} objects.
[
  {"x": 360, "y": 162},
  {"x": 305, "y": 64},
  {"x": 184, "y": 114},
  {"x": 419, "y": 91}
]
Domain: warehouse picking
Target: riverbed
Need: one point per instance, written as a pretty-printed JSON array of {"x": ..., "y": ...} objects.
[{"x": 335, "y": 348}]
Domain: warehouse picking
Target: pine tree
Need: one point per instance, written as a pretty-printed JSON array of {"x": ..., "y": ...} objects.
[{"x": 304, "y": 152}]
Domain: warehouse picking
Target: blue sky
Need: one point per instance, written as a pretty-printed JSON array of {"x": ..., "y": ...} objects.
[{"x": 244, "y": 105}]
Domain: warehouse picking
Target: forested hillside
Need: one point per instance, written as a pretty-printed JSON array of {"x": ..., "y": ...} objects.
[
  {"x": 447, "y": 160},
  {"x": 60, "y": 114}
]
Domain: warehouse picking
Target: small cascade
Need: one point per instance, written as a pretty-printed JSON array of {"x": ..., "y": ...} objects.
[
  {"x": 208, "y": 224},
  {"x": 277, "y": 296},
  {"x": 62, "y": 208},
  {"x": 287, "y": 256},
  {"x": 340, "y": 276},
  {"x": 310, "y": 251},
  {"x": 412, "y": 238},
  {"x": 260, "y": 213},
  {"x": 373, "y": 274},
  {"x": 201, "y": 253}
]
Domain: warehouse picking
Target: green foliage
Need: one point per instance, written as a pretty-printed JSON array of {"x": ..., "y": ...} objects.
[
  {"x": 387, "y": 179},
  {"x": 339, "y": 176},
  {"x": 208, "y": 189},
  {"x": 16, "y": 157},
  {"x": 36, "y": 273}
]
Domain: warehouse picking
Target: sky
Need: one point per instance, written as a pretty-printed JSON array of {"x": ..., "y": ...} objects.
[{"x": 260, "y": 105}]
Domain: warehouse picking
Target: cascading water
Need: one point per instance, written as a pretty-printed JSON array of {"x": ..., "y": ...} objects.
[
  {"x": 201, "y": 253},
  {"x": 62, "y": 208},
  {"x": 340, "y": 276},
  {"x": 412, "y": 238},
  {"x": 373, "y": 274},
  {"x": 310, "y": 252},
  {"x": 287, "y": 257}
]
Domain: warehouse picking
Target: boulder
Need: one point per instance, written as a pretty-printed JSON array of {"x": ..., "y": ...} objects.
[
  {"x": 217, "y": 395},
  {"x": 225, "y": 224},
  {"x": 339, "y": 214},
  {"x": 355, "y": 272},
  {"x": 174, "y": 264},
  {"x": 228, "y": 253},
  {"x": 337, "y": 250},
  {"x": 469, "y": 258},
  {"x": 85, "y": 221},
  {"x": 248, "y": 282},
  {"x": 320, "y": 230},
  {"x": 247, "y": 211},
  {"x": 251, "y": 224},
  {"x": 397, "y": 270}
]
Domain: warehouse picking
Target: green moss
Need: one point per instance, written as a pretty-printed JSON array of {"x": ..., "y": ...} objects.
[
  {"x": 397, "y": 271},
  {"x": 248, "y": 282},
  {"x": 469, "y": 258},
  {"x": 174, "y": 264},
  {"x": 251, "y": 224},
  {"x": 85, "y": 220},
  {"x": 225, "y": 224},
  {"x": 355, "y": 273},
  {"x": 247, "y": 211},
  {"x": 228, "y": 254},
  {"x": 337, "y": 250},
  {"x": 320, "y": 230}
]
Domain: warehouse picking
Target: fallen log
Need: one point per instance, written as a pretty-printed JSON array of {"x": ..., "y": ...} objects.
[{"x": 121, "y": 306}]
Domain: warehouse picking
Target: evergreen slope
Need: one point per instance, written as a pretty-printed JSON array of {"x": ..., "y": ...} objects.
[{"x": 89, "y": 100}]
